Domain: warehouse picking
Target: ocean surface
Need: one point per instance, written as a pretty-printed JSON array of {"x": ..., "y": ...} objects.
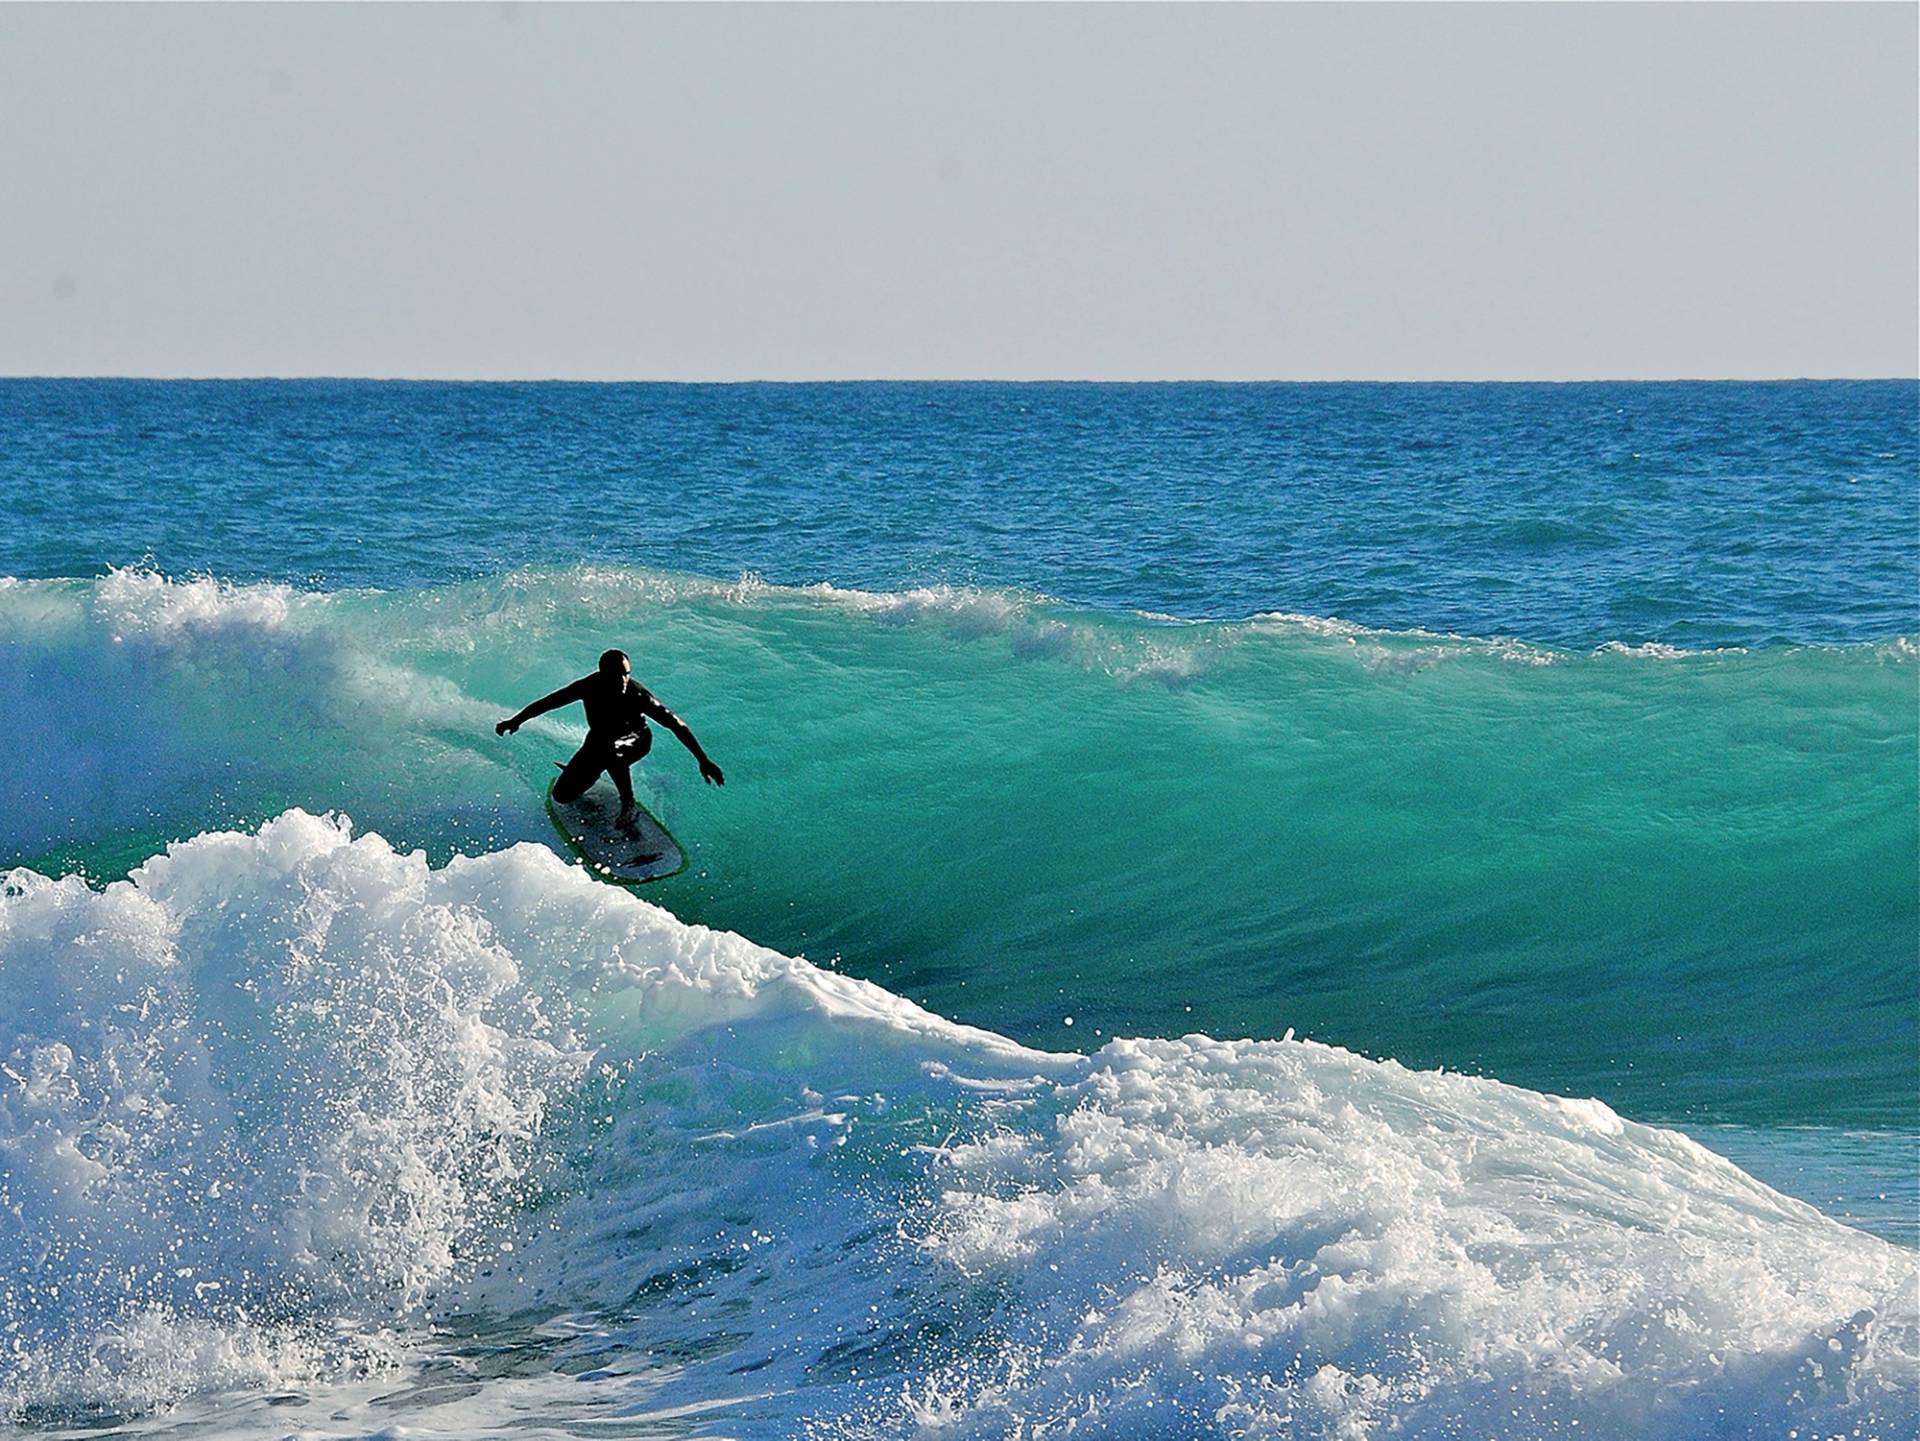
[{"x": 1237, "y": 911}]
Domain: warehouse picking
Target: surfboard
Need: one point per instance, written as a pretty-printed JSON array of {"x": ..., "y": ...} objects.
[{"x": 627, "y": 852}]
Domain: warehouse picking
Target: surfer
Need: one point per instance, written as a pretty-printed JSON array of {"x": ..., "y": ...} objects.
[{"x": 618, "y": 709}]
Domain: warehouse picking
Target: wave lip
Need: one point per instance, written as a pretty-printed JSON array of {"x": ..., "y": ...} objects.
[{"x": 283, "y": 1094}]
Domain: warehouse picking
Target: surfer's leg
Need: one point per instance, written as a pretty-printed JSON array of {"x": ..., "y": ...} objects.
[
  {"x": 622, "y": 774},
  {"x": 579, "y": 774}
]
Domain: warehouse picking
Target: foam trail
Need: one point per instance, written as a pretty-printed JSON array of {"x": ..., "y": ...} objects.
[{"x": 284, "y": 1100}]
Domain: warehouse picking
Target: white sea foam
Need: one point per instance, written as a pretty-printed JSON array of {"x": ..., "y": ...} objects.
[
  {"x": 282, "y": 1097},
  {"x": 139, "y": 603},
  {"x": 1396, "y": 652},
  {"x": 1659, "y": 650},
  {"x": 1276, "y": 1239},
  {"x": 967, "y": 612},
  {"x": 1173, "y": 654}
]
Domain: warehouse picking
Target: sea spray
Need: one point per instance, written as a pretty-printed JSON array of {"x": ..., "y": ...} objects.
[{"x": 265, "y": 1082}]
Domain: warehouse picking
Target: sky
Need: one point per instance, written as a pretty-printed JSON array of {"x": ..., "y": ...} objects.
[{"x": 993, "y": 192}]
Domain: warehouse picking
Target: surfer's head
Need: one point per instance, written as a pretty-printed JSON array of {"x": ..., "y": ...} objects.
[{"x": 615, "y": 662}]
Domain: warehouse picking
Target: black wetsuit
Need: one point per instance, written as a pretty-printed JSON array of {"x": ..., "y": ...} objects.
[{"x": 618, "y": 708}]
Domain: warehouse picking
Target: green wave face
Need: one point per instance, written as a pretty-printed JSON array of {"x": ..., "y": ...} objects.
[{"x": 1683, "y": 883}]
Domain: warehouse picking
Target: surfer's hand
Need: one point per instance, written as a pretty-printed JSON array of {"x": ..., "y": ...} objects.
[
  {"x": 506, "y": 727},
  {"x": 710, "y": 773}
]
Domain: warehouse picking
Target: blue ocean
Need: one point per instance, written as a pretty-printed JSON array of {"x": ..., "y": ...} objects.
[{"x": 1325, "y": 911}]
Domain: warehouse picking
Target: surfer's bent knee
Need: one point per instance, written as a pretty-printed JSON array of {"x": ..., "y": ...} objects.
[{"x": 577, "y": 777}]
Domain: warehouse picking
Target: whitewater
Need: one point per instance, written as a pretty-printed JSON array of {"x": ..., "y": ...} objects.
[{"x": 291, "y": 1109}]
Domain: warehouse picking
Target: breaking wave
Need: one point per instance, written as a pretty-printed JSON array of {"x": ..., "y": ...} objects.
[{"x": 289, "y": 1108}]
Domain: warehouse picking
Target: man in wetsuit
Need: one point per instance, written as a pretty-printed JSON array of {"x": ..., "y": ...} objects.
[{"x": 618, "y": 709}]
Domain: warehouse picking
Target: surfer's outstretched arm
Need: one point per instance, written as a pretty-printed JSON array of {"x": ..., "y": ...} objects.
[
  {"x": 566, "y": 695},
  {"x": 682, "y": 732}
]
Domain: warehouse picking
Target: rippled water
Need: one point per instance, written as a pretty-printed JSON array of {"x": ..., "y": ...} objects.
[{"x": 1690, "y": 514}]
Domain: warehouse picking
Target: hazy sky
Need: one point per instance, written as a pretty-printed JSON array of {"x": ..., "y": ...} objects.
[{"x": 806, "y": 192}]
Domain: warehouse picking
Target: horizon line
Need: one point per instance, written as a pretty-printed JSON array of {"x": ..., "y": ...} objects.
[{"x": 328, "y": 378}]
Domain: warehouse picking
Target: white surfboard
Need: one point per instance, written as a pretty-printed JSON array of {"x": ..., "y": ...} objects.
[{"x": 628, "y": 851}]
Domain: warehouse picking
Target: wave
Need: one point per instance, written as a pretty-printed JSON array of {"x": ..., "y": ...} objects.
[
  {"x": 289, "y": 1108},
  {"x": 1681, "y": 882}
]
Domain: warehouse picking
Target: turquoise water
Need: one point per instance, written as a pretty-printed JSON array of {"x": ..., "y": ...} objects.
[{"x": 1568, "y": 736}]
